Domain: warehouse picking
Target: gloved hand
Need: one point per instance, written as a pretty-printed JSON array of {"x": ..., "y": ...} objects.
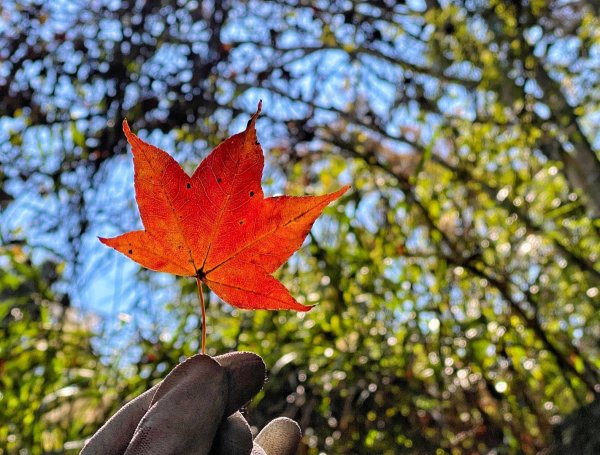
[{"x": 194, "y": 411}]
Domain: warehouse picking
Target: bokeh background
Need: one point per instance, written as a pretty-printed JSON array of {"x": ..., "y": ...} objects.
[{"x": 457, "y": 283}]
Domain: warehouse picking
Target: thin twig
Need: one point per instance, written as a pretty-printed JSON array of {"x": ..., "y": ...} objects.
[{"x": 201, "y": 296}]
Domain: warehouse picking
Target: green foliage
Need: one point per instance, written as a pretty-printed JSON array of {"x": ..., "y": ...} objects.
[{"x": 48, "y": 368}]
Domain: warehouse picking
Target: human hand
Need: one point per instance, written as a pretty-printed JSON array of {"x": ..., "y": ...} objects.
[{"x": 194, "y": 411}]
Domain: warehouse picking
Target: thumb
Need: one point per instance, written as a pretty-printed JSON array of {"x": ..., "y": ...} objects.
[
  {"x": 185, "y": 412},
  {"x": 115, "y": 434}
]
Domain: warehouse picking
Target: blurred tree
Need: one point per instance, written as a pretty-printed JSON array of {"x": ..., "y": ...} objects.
[
  {"x": 48, "y": 370},
  {"x": 458, "y": 285}
]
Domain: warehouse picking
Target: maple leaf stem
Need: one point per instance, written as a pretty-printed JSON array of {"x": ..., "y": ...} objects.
[{"x": 201, "y": 296}]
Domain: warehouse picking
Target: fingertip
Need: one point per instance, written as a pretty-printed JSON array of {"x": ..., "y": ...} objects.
[
  {"x": 280, "y": 436},
  {"x": 246, "y": 373}
]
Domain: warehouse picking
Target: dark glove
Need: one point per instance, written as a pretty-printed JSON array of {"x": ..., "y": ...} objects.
[{"x": 194, "y": 411}]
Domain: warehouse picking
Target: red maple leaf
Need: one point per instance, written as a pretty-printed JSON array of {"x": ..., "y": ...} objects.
[{"x": 216, "y": 225}]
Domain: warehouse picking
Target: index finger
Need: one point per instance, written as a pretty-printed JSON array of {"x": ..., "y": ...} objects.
[{"x": 246, "y": 375}]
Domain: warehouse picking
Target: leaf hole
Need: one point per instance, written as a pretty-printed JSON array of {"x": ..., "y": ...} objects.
[
  {"x": 130, "y": 251},
  {"x": 251, "y": 193}
]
